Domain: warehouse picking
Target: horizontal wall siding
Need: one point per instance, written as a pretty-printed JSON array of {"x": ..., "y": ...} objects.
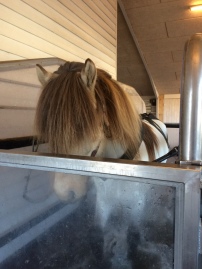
[{"x": 72, "y": 30}]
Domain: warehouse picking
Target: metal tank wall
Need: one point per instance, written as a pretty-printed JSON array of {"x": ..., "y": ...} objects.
[{"x": 133, "y": 214}]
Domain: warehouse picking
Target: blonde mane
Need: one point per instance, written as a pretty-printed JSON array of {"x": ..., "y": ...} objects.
[{"x": 66, "y": 113}]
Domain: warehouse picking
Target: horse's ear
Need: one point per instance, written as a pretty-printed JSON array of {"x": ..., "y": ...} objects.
[
  {"x": 89, "y": 74},
  {"x": 43, "y": 75}
]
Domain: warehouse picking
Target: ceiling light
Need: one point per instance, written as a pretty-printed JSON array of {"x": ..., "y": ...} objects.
[{"x": 196, "y": 8}]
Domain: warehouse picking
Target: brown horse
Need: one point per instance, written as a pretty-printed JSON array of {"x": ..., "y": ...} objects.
[{"x": 83, "y": 111}]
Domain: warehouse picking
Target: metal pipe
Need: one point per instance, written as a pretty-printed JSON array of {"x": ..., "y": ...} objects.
[{"x": 191, "y": 102}]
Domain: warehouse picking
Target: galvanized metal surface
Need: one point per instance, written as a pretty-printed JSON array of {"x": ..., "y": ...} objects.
[
  {"x": 191, "y": 102},
  {"x": 97, "y": 166}
]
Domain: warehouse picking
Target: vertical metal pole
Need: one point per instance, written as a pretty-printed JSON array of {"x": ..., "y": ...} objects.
[{"x": 191, "y": 102}]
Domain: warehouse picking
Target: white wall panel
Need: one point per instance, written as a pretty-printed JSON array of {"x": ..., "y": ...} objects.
[
  {"x": 72, "y": 30},
  {"x": 171, "y": 108},
  {"x": 19, "y": 92}
]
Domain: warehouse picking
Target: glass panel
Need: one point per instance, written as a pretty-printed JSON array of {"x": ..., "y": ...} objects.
[{"x": 100, "y": 223}]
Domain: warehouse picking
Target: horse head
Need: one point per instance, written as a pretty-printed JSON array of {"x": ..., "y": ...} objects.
[
  {"x": 68, "y": 117},
  {"x": 83, "y": 111}
]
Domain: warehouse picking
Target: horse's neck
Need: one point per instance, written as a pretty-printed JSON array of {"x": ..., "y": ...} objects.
[
  {"x": 112, "y": 149},
  {"x": 163, "y": 146}
]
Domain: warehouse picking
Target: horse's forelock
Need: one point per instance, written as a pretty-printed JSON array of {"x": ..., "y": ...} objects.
[
  {"x": 66, "y": 113},
  {"x": 70, "y": 67}
]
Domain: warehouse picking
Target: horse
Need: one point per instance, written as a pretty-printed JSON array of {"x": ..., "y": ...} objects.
[{"x": 83, "y": 111}]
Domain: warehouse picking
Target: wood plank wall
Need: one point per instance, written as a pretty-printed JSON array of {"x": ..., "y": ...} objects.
[
  {"x": 169, "y": 108},
  {"x": 169, "y": 112},
  {"x": 72, "y": 30}
]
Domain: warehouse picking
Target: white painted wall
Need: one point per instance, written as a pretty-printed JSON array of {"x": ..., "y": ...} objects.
[
  {"x": 172, "y": 115},
  {"x": 72, "y": 30},
  {"x": 171, "y": 112}
]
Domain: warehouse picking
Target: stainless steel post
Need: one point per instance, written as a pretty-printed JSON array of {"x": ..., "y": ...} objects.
[{"x": 191, "y": 102}]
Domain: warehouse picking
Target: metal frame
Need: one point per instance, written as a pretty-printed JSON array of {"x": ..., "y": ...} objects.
[{"x": 186, "y": 180}]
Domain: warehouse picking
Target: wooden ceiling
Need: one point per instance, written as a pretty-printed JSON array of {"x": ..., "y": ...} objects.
[{"x": 160, "y": 29}]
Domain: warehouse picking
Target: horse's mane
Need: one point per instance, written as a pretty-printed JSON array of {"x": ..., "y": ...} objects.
[
  {"x": 124, "y": 121},
  {"x": 66, "y": 112}
]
